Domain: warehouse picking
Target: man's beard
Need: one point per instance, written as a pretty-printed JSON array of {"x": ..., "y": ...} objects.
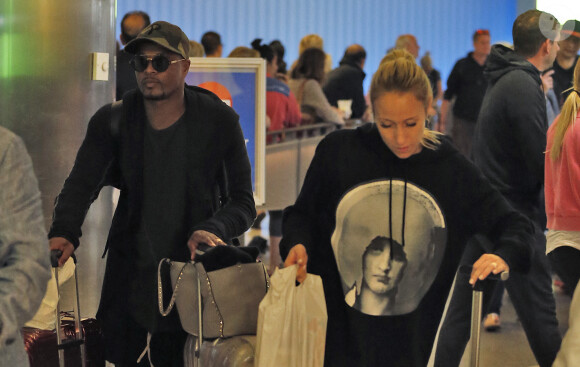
[{"x": 155, "y": 97}]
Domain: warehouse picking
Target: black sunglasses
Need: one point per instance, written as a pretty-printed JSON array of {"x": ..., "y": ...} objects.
[{"x": 159, "y": 62}]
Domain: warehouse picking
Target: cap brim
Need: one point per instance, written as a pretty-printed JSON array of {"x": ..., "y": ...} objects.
[
  {"x": 133, "y": 46},
  {"x": 571, "y": 33}
]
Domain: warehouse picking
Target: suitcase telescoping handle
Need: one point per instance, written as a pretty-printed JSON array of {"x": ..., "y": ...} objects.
[
  {"x": 79, "y": 337},
  {"x": 476, "y": 309}
]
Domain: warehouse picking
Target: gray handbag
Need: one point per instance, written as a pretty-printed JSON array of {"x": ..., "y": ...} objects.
[{"x": 228, "y": 298}]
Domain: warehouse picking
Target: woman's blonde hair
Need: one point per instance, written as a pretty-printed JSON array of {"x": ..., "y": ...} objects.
[
  {"x": 399, "y": 73},
  {"x": 310, "y": 41},
  {"x": 567, "y": 115}
]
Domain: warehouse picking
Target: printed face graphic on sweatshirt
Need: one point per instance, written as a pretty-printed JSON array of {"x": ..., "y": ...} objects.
[
  {"x": 382, "y": 270},
  {"x": 389, "y": 242}
]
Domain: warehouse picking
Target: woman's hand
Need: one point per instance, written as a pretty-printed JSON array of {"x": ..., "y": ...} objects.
[
  {"x": 485, "y": 265},
  {"x": 298, "y": 255}
]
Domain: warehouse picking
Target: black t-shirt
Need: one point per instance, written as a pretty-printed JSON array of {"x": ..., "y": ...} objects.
[
  {"x": 562, "y": 80},
  {"x": 162, "y": 225},
  {"x": 468, "y": 84}
]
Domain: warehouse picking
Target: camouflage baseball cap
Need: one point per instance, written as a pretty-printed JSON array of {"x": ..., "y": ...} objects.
[{"x": 164, "y": 34}]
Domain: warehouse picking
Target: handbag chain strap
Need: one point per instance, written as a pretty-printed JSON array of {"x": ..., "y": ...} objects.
[
  {"x": 162, "y": 311},
  {"x": 165, "y": 312}
]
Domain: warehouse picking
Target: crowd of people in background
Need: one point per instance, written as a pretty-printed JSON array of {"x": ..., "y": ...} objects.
[{"x": 508, "y": 168}]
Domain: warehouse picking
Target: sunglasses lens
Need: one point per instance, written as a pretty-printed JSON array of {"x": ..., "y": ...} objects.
[
  {"x": 160, "y": 63},
  {"x": 139, "y": 63}
]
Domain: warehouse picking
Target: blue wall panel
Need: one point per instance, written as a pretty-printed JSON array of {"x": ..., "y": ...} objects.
[{"x": 443, "y": 27}]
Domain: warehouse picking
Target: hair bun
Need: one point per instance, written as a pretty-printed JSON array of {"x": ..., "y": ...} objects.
[
  {"x": 257, "y": 44},
  {"x": 398, "y": 54}
]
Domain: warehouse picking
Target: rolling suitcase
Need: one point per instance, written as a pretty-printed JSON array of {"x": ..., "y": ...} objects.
[
  {"x": 41, "y": 345},
  {"x": 476, "y": 312},
  {"x": 73, "y": 342},
  {"x": 236, "y": 351}
]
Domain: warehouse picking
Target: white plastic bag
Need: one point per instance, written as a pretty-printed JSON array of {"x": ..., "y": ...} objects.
[
  {"x": 292, "y": 322},
  {"x": 45, "y": 317}
]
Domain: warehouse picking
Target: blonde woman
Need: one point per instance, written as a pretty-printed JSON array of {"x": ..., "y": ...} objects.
[
  {"x": 562, "y": 189},
  {"x": 313, "y": 41},
  {"x": 397, "y": 181}
]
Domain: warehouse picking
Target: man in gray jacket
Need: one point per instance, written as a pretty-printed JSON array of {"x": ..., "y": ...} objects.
[{"x": 24, "y": 259}]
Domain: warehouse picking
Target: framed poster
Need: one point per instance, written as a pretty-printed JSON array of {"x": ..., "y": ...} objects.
[{"x": 241, "y": 84}]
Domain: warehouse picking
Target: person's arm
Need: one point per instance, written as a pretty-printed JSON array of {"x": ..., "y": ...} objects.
[
  {"x": 80, "y": 189},
  {"x": 528, "y": 122},
  {"x": 300, "y": 220},
  {"x": 24, "y": 258},
  {"x": 444, "y": 111},
  {"x": 234, "y": 218},
  {"x": 572, "y": 139},
  {"x": 359, "y": 104},
  {"x": 453, "y": 84},
  {"x": 314, "y": 96},
  {"x": 484, "y": 210},
  {"x": 439, "y": 95}
]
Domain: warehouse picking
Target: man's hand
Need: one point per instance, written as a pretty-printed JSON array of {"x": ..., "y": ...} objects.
[
  {"x": 547, "y": 81},
  {"x": 298, "y": 256},
  {"x": 199, "y": 237},
  {"x": 62, "y": 244},
  {"x": 485, "y": 265}
]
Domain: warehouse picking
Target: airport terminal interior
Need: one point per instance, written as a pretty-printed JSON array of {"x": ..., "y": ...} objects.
[{"x": 61, "y": 70}]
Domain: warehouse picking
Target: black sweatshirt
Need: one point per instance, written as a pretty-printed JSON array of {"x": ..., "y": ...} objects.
[
  {"x": 438, "y": 200},
  {"x": 510, "y": 135}
]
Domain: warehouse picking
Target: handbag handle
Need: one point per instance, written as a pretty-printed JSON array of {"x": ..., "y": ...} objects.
[
  {"x": 165, "y": 312},
  {"x": 162, "y": 311}
]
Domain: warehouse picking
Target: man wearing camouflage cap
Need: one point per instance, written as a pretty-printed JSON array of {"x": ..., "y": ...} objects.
[{"x": 167, "y": 155}]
